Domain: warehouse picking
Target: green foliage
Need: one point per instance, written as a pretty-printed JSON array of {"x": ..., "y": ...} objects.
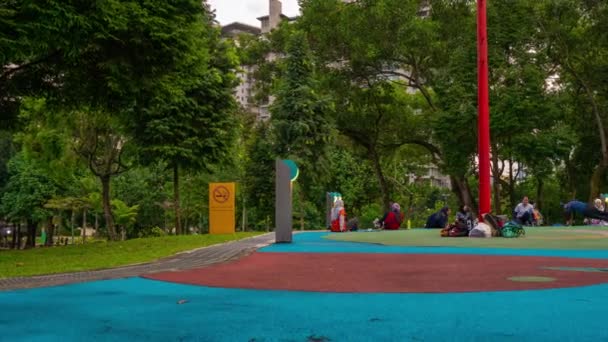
[
  {"x": 354, "y": 179},
  {"x": 367, "y": 95},
  {"x": 369, "y": 213},
  {"x": 146, "y": 187},
  {"x": 27, "y": 190},
  {"x": 152, "y": 232},
  {"x": 124, "y": 215},
  {"x": 258, "y": 179},
  {"x": 300, "y": 115},
  {"x": 6, "y": 152}
]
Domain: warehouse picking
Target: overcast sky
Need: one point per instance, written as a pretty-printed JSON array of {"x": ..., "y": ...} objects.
[{"x": 246, "y": 11}]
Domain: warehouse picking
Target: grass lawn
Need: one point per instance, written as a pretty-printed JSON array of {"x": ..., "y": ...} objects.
[
  {"x": 101, "y": 254},
  {"x": 583, "y": 237}
]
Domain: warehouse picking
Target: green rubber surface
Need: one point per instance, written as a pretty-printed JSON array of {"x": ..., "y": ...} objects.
[{"x": 570, "y": 238}]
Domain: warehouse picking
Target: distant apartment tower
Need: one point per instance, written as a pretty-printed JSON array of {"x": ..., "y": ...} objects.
[{"x": 244, "y": 92}]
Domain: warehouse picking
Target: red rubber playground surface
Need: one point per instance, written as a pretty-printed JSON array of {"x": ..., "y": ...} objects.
[
  {"x": 334, "y": 272},
  {"x": 395, "y": 273}
]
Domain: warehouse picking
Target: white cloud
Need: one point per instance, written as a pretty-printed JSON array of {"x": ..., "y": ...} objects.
[{"x": 246, "y": 11}]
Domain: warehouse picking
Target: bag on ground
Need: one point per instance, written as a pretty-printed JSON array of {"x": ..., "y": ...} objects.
[
  {"x": 512, "y": 230},
  {"x": 481, "y": 230},
  {"x": 495, "y": 223}
]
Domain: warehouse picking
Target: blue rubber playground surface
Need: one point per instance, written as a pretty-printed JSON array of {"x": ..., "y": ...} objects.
[{"x": 138, "y": 309}]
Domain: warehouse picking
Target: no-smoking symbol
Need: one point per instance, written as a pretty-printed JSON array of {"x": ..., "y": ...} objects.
[{"x": 221, "y": 194}]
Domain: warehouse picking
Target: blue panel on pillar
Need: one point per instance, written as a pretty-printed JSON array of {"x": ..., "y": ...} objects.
[{"x": 293, "y": 167}]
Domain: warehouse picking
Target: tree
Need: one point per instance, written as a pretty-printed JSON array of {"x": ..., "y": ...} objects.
[
  {"x": 25, "y": 194},
  {"x": 300, "y": 117},
  {"x": 259, "y": 175},
  {"x": 576, "y": 36},
  {"x": 186, "y": 119},
  {"x": 125, "y": 216},
  {"x": 378, "y": 56},
  {"x": 102, "y": 146}
]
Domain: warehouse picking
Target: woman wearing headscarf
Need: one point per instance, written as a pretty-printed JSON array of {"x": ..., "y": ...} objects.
[
  {"x": 599, "y": 205},
  {"x": 393, "y": 218},
  {"x": 338, "y": 217}
]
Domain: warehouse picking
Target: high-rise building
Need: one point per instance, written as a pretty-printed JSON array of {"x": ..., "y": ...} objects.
[{"x": 244, "y": 92}]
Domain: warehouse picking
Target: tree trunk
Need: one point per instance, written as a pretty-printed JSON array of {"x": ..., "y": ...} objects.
[
  {"x": 597, "y": 180},
  {"x": 178, "y": 222},
  {"x": 386, "y": 197},
  {"x": 571, "y": 178},
  {"x": 73, "y": 224},
  {"x": 17, "y": 236},
  {"x": 30, "y": 238},
  {"x": 84, "y": 225},
  {"x": 539, "y": 193},
  {"x": 460, "y": 187},
  {"x": 107, "y": 208},
  {"x": 50, "y": 231},
  {"x": 512, "y": 199}
]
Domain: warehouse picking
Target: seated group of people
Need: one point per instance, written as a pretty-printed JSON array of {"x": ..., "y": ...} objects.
[
  {"x": 440, "y": 219},
  {"x": 595, "y": 214},
  {"x": 524, "y": 213},
  {"x": 391, "y": 220}
]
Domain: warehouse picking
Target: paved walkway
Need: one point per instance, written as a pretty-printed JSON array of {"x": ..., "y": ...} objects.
[{"x": 197, "y": 258}]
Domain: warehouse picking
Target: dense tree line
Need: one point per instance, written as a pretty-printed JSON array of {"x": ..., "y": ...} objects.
[{"x": 117, "y": 115}]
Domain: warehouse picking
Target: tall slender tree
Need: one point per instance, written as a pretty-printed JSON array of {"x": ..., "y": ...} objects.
[{"x": 186, "y": 117}]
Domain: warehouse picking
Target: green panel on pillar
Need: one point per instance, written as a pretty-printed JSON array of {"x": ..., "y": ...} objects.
[{"x": 295, "y": 171}]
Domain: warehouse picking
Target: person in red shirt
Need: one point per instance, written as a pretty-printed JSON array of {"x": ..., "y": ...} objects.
[
  {"x": 338, "y": 217},
  {"x": 393, "y": 218}
]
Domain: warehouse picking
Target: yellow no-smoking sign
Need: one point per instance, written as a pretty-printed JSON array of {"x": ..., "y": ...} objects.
[
  {"x": 221, "y": 194},
  {"x": 221, "y": 208}
]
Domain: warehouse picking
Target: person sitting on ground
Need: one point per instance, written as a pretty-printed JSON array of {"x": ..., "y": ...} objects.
[
  {"x": 392, "y": 219},
  {"x": 599, "y": 205},
  {"x": 587, "y": 211},
  {"x": 352, "y": 224},
  {"x": 438, "y": 219},
  {"x": 464, "y": 217},
  {"x": 338, "y": 217},
  {"x": 524, "y": 212}
]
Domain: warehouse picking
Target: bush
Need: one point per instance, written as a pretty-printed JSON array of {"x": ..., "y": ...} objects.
[
  {"x": 151, "y": 232},
  {"x": 369, "y": 213}
]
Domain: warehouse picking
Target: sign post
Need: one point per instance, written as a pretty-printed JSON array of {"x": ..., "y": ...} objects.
[
  {"x": 483, "y": 120},
  {"x": 286, "y": 172},
  {"x": 221, "y": 208}
]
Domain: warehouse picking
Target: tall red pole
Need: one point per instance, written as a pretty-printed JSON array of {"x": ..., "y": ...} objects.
[{"x": 483, "y": 121}]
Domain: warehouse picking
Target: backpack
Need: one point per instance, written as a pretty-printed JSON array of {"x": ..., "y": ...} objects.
[
  {"x": 481, "y": 230},
  {"x": 495, "y": 223},
  {"x": 512, "y": 230},
  {"x": 454, "y": 230},
  {"x": 457, "y": 231}
]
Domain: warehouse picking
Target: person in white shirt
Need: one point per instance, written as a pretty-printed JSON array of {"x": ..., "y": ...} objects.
[{"x": 524, "y": 212}]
